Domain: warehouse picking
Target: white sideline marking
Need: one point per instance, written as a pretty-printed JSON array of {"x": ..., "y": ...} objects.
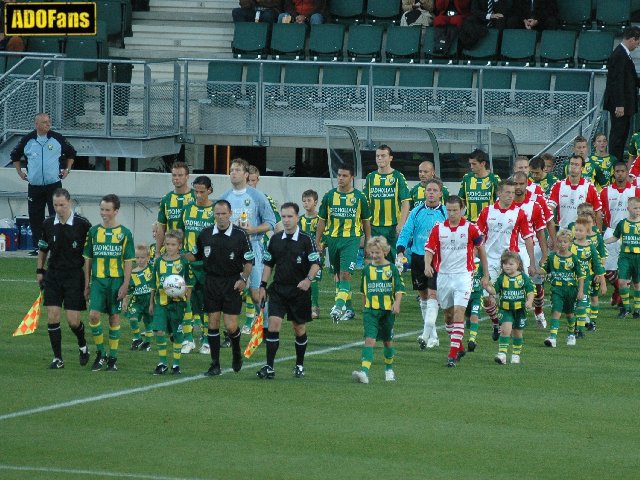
[{"x": 93, "y": 473}]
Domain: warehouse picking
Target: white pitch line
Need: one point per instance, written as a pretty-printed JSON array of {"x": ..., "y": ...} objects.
[
  {"x": 92, "y": 473},
  {"x": 17, "y": 280}
]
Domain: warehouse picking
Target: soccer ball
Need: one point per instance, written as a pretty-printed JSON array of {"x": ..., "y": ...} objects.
[{"x": 174, "y": 286}]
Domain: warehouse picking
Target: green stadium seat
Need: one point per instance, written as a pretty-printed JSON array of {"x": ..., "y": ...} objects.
[
  {"x": 575, "y": 14},
  {"x": 85, "y": 47},
  {"x": 365, "y": 43},
  {"x": 303, "y": 74},
  {"x": 534, "y": 80},
  {"x": 346, "y": 11},
  {"x": 340, "y": 74},
  {"x": 415, "y": 77},
  {"x": 270, "y": 72},
  {"x": 594, "y": 48},
  {"x": 326, "y": 41},
  {"x": 403, "y": 44},
  {"x": 383, "y": 12},
  {"x": 250, "y": 39},
  {"x": 112, "y": 12},
  {"x": 224, "y": 72},
  {"x": 635, "y": 10},
  {"x": 73, "y": 71},
  {"x": 496, "y": 79},
  {"x": 613, "y": 15},
  {"x": 571, "y": 81},
  {"x": 287, "y": 40},
  {"x": 455, "y": 78},
  {"x": 430, "y": 56},
  {"x": 223, "y": 82},
  {"x": 45, "y": 44},
  {"x": 485, "y": 51},
  {"x": 557, "y": 47},
  {"x": 27, "y": 67},
  {"x": 3, "y": 64},
  {"x": 518, "y": 47}
]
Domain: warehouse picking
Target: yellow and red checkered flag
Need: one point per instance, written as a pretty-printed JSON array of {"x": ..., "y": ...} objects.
[
  {"x": 257, "y": 334},
  {"x": 30, "y": 321}
]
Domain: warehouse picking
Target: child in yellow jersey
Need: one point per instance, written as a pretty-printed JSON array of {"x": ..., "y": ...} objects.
[
  {"x": 168, "y": 312},
  {"x": 137, "y": 301},
  {"x": 602, "y": 157},
  {"x": 382, "y": 290},
  {"x": 309, "y": 224}
]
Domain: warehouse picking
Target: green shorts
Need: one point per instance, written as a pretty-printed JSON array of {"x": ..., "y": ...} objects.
[
  {"x": 473, "y": 307},
  {"x": 378, "y": 324},
  {"x": 103, "y": 295},
  {"x": 629, "y": 266},
  {"x": 517, "y": 318},
  {"x": 563, "y": 299},
  {"x": 343, "y": 253},
  {"x": 168, "y": 318},
  {"x": 138, "y": 308},
  {"x": 390, "y": 234}
]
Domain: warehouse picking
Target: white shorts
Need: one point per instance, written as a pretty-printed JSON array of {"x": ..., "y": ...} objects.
[
  {"x": 454, "y": 289},
  {"x": 613, "y": 249},
  {"x": 537, "y": 255},
  {"x": 494, "y": 272},
  {"x": 256, "y": 272}
]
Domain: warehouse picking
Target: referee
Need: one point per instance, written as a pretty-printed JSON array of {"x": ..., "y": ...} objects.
[
  {"x": 62, "y": 242},
  {"x": 227, "y": 258},
  {"x": 294, "y": 256}
]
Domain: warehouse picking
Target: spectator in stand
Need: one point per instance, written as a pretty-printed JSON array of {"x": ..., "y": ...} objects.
[
  {"x": 266, "y": 11},
  {"x": 534, "y": 15},
  {"x": 303, "y": 11},
  {"x": 493, "y": 12},
  {"x": 450, "y": 12},
  {"x": 417, "y": 12}
]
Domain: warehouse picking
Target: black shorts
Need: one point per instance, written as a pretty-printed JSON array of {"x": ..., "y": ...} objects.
[
  {"x": 418, "y": 278},
  {"x": 220, "y": 296},
  {"x": 290, "y": 301},
  {"x": 65, "y": 288}
]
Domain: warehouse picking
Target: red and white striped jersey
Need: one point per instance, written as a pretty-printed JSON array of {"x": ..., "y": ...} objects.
[
  {"x": 567, "y": 197},
  {"x": 547, "y": 214},
  {"x": 614, "y": 202},
  {"x": 502, "y": 227},
  {"x": 452, "y": 248},
  {"x": 535, "y": 216},
  {"x": 534, "y": 188}
]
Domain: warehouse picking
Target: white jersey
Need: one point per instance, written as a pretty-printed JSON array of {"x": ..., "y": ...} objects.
[
  {"x": 614, "y": 203},
  {"x": 453, "y": 247},
  {"x": 567, "y": 197},
  {"x": 501, "y": 229}
]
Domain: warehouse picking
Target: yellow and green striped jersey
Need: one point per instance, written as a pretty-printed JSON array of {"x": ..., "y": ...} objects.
[
  {"x": 629, "y": 233},
  {"x": 140, "y": 283},
  {"x": 274, "y": 207},
  {"x": 109, "y": 248},
  {"x": 513, "y": 291},
  {"x": 634, "y": 145},
  {"x": 563, "y": 271},
  {"x": 606, "y": 164},
  {"x": 546, "y": 183},
  {"x": 308, "y": 224},
  {"x": 380, "y": 283},
  {"x": 589, "y": 257},
  {"x": 591, "y": 172},
  {"x": 171, "y": 207},
  {"x": 478, "y": 193},
  {"x": 344, "y": 213},
  {"x": 418, "y": 195},
  {"x": 161, "y": 270},
  {"x": 193, "y": 220},
  {"x": 385, "y": 193},
  {"x": 595, "y": 239}
]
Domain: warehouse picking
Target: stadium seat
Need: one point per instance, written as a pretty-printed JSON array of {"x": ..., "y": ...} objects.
[
  {"x": 415, "y": 77},
  {"x": 302, "y": 74},
  {"x": 250, "y": 39},
  {"x": 613, "y": 15},
  {"x": 455, "y": 78},
  {"x": 3, "y": 64},
  {"x": 403, "y": 44},
  {"x": 346, "y": 11},
  {"x": 221, "y": 77},
  {"x": 518, "y": 47},
  {"x": 326, "y": 41},
  {"x": 496, "y": 79},
  {"x": 383, "y": 12},
  {"x": 575, "y": 14},
  {"x": 365, "y": 43},
  {"x": 73, "y": 71},
  {"x": 287, "y": 40},
  {"x": 45, "y": 44},
  {"x": 572, "y": 82},
  {"x": 112, "y": 11},
  {"x": 85, "y": 47},
  {"x": 557, "y": 47},
  {"x": 270, "y": 72},
  {"x": 594, "y": 48},
  {"x": 485, "y": 51},
  {"x": 430, "y": 56},
  {"x": 224, "y": 72},
  {"x": 534, "y": 80},
  {"x": 340, "y": 74}
]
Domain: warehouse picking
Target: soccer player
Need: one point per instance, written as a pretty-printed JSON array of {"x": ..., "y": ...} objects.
[
  {"x": 634, "y": 155},
  {"x": 479, "y": 188},
  {"x": 389, "y": 199},
  {"x": 60, "y": 247},
  {"x": 173, "y": 202},
  {"x": 343, "y": 217},
  {"x": 515, "y": 291},
  {"x": 382, "y": 289},
  {"x": 168, "y": 312},
  {"x": 108, "y": 260},
  {"x": 567, "y": 194},
  {"x": 194, "y": 218},
  {"x": 413, "y": 237},
  {"x": 602, "y": 158},
  {"x": 296, "y": 262},
  {"x": 426, "y": 171},
  {"x": 549, "y": 163},
  {"x": 451, "y": 247},
  {"x": 308, "y": 223},
  {"x": 539, "y": 175},
  {"x": 628, "y": 231},
  {"x": 138, "y": 297},
  {"x": 591, "y": 170},
  {"x": 565, "y": 274},
  {"x": 521, "y": 165}
]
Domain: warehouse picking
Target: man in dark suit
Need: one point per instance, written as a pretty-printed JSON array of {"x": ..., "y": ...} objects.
[
  {"x": 492, "y": 12},
  {"x": 621, "y": 92},
  {"x": 534, "y": 15}
]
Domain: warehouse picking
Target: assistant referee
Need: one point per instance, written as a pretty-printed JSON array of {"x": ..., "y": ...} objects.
[
  {"x": 296, "y": 261},
  {"x": 62, "y": 243}
]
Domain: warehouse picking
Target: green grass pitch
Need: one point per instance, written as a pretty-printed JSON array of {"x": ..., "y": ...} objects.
[{"x": 563, "y": 413}]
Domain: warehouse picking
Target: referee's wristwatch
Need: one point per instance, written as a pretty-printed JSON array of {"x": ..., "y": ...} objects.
[
  {"x": 309, "y": 278},
  {"x": 243, "y": 279}
]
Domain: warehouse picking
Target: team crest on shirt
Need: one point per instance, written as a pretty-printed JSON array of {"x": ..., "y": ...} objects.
[
  {"x": 148, "y": 275},
  {"x": 50, "y": 147},
  {"x": 351, "y": 200},
  {"x": 247, "y": 202},
  {"x": 207, "y": 251},
  {"x": 120, "y": 236},
  {"x": 519, "y": 283},
  {"x": 569, "y": 264},
  {"x": 210, "y": 214},
  {"x": 232, "y": 256},
  {"x": 298, "y": 259},
  {"x": 391, "y": 180},
  {"x": 177, "y": 267},
  {"x": 74, "y": 244},
  {"x": 386, "y": 274}
]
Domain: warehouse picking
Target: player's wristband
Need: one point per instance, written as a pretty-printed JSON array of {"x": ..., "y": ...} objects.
[
  {"x": 243, "y": 279},
  {"x": 263, "y": 284},
  {"x": 40, "y": 271},
  {"x": 309, "y": 278}
]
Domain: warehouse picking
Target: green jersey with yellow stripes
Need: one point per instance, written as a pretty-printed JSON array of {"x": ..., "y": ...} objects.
[
  {"x": 344, "y": 213},
  {"x": 380, "y": 283},
  {"x": 418, "y": 195},
  {"x": 193, "y": 220},
  {"x": 563, "y": 271},
  {"x": 478, "y": 192},
  {"x": 161, "y": 270},
  {"x": 606, "y": 163},
  {"x": 590, "y": 259},
  {"x": 513, "y": 291},
  {"x": 546, "y": 183},
  {"x": 385, "y": 193},
  {"x": 591, "y": 172},
  {"x": 140, "y": 283},
  {"x": 308, "y": 224},
  {"x": 629, "y": 233},
  {"x": 171, "y": 207},
  {"x": 109, "y": 248}
]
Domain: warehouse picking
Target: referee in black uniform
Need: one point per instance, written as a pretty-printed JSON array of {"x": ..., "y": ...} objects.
[
  {"x": 62, "y": 241},
  {"x": 294, "y": 256},
  {"x": 227, "y": 258}
]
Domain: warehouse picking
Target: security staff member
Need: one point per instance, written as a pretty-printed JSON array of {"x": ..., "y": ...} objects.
[
  {"x": 294, "y": 256},
  {"x": 49, "y": 157},
  {"x": 227, "y": 259},
  {"x": 63, "y": 237}
]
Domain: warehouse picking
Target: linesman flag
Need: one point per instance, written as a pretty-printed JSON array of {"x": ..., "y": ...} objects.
[
  {"x": 257, "y": 334},
  {"x": 30, "y": 321}
]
